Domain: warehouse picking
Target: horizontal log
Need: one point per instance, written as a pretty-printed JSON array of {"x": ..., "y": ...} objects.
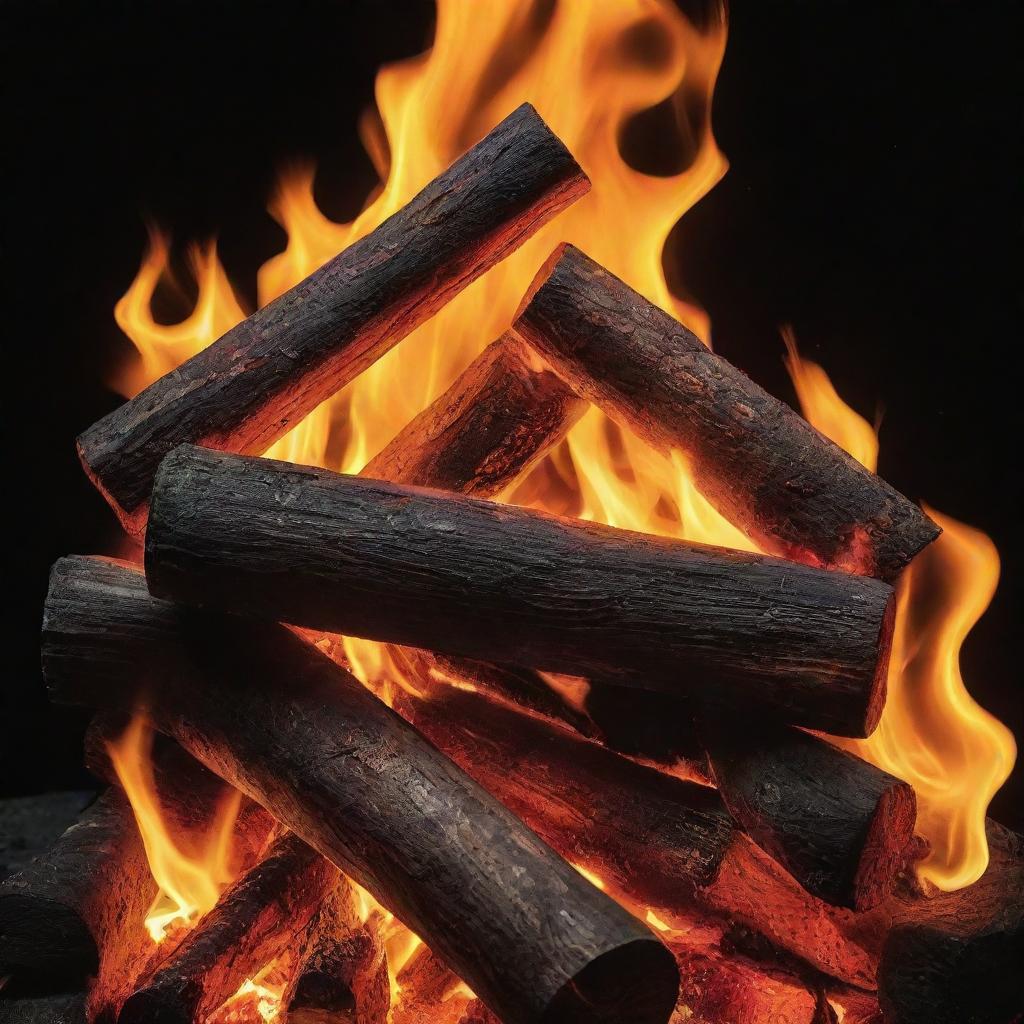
[
  {"x": 476, "y": 579},
  {"x": 497, "y": 419},
  {"x": 276, "y": 718},
  {"x": 761, "y": 465},
  {"x": 61, "y": 913},
  {"x": 257, "y": 919},
  {"x": 250, "y": 387},
  {"x": 30, "y": 825}
]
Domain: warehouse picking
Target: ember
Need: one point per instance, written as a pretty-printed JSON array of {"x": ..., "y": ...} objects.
[{"x": 485, "y": 611}]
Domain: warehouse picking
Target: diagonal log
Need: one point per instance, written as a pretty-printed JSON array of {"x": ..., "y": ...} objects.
[
  {"x": 764, "y": 468},
  {"x": 251, "y": 386},
  {"x": 276, "y": 718}
]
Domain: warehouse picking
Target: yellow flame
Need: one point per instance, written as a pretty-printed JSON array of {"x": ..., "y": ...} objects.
[
  {"x": 588, "y": 69},
  {"x": 932, "y": 733},
  {"x": 190, "y": 881},
  {"x": 261, "y": 995}
]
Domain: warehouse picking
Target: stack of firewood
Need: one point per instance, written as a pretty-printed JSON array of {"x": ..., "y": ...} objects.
[{"x": 781, "y": 892}]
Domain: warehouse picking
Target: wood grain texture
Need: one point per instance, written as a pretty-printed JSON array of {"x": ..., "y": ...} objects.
[
  {"x": 282, "y": 723},
  {"x": 497, "y": 583},
  {"x": 257, "y": 918},
  {"x": 61, "y": 913},
  {"x": 251, "y": 386},
  {"x": 761, "y": 465},
  {"x": 489, "y": 427},
  {"x": 839, "y": 825}
]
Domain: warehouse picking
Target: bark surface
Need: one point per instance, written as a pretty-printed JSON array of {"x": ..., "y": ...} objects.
[
  {"x": 481, "y": 580},
  {"x": 255, "y": 383},
  {"x": 760, "y": 464}
]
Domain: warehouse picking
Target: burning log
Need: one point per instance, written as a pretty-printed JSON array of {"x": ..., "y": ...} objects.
[
  {"x": 59, "y": 1009},
  {"x": 339, "y": 768},
  {"x": 60, "y": 915},
  {"x": 839, "y": 825},
  {"x": 497, "y": 583},
  {"x": 428, "y": 991},
  {"x": 956, "y": 956},
  {"x": 255, "y": 920},
  {"x": 250, "y": 387},
  {"x": 491, "y": 425},
  {"x": 765, "y": 468},
  {"x": 190, "y": 797},
  {"x": 343, "y": 969}
]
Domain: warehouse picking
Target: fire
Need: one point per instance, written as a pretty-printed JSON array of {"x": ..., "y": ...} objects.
[
  {"x": 932, "y": 734},
  {"x": 257, "y": 998},
  {"x": 588, "y": 69},
  {"x": 190, "y": 875}
]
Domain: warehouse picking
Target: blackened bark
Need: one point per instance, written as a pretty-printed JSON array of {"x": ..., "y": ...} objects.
[
  {"x": 760, "y": 464},
  {"x": 276, "y": 718},
  {"x": 476, "y": 579},
  {"x": 249, "y": 388}
]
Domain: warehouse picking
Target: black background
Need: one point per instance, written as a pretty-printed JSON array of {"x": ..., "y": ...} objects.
[{"x": 873, "y": 202}]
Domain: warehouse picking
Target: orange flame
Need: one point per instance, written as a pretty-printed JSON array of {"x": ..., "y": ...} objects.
[
  {"x": 588, "y": 69},
  {"x": 932, "y": 734},
  {"x": 190, "y": 879}
]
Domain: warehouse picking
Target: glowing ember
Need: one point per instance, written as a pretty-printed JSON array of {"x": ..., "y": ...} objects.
[
  {"x": 191, "y": 878},
  {"x": 588, "y": 71}
]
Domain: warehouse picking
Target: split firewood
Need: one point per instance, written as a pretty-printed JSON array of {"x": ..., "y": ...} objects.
[
  {"x": 249, "y": 388},
  {"x": 497, "y": 583},
  {"x": 276, "y": 718},
  {"x": 61, "y": 914},
  {"x": 256, "y": 920},
  {"x": 761, "y": 465},
  {"x": 57, "y": 1009},
  {"x": 497, "y": 419},
  {"x": 342, "y": 970}
]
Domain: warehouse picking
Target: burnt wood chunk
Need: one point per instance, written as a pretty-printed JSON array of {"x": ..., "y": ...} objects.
[
  {"x": 342, "y": 969},
  {"x": 839, "y": 825},
  {"x": 257, "y": 918},
  {"x": 57, "y": 1009},
  {"x": 760, "y": 464},
  {"x": 275, "y": 717},
  {"x": 497, "y": 583},
  {"x": 497, "y": 419},
  {"x": 60, "y": 914},
  {"x": 255, "y": 383}
]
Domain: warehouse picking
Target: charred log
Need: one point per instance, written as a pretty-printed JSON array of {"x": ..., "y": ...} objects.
[
  {"x": 249, "y": 388},
  {"x": 335, "y": 765},
  {"x": 342, "y": 971},
  {"x": 255, "y": 920},
  {"x": 765, "y": 468},
  {"x": 497, "y": 583},
  {"x": 839, "y": 825},
  {"x": 61, "y": 914},
  {"x": 58, "y": 1009},
  {"x": 492, "y": 424}
]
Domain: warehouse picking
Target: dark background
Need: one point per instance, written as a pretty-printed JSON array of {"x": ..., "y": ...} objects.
[{"x": 872, "y": 202}]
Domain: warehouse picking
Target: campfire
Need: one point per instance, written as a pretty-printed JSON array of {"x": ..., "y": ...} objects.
[{"x": 482, "y": 646}]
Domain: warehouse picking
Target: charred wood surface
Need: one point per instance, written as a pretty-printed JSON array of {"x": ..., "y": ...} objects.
[
  {"x": 61, "y": 913},
  {"x": 497, "y": 583},
  {"x": 342, "y": 971},
  {"x": 30, "y": 825},
  {"x": 256, "y": 919},
  {"x": 249, "y": 388},
  {"x": 839, "y": 825},
  {"x": 268, "y": 712},
  {"x": 489, "y": 427},
  {"x": 760, "y": 464}
]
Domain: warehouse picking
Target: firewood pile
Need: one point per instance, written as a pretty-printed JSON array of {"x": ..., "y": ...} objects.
[{"x": 550, "y": 854}]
